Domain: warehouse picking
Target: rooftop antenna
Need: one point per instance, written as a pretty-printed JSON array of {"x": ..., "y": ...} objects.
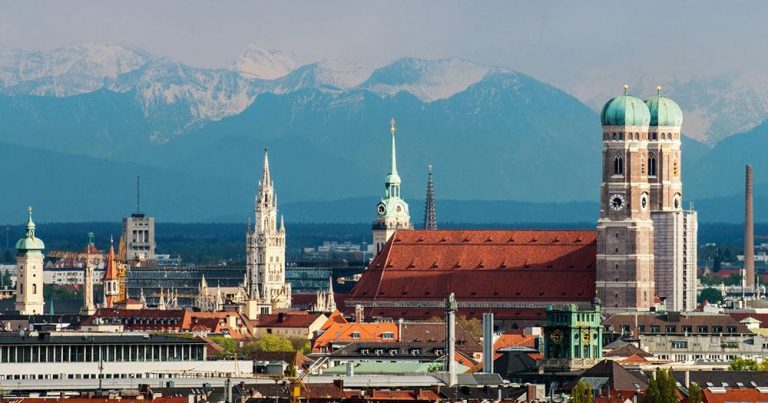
[{"x": 138, "y": 195}]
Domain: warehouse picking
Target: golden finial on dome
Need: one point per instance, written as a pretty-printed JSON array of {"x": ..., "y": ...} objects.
[
  {"x": 658, "y": 90},
  {"x": 626, "y": 89}
]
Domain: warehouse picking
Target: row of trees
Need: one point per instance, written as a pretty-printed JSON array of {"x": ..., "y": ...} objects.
[
  {"x": 748, "y": 364},
  {"x": 662, "y": 388},
  {"x": 269, "y": 343}
]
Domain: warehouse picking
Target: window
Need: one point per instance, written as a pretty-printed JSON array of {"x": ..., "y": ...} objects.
[
  {"x": 388, "y": 336},
  {"x": 687, "y": 329},
  {"x": 618, "y": 165},
  {"x": 679, "y": 344},
  {"x": 671, "y": 328},
  {"x": 655, "y": 328},
  {"x": 717, "y": 329},
  {"x": 355, "y": 335},
  {"x": 703, "y": 329},
  {"x": 651, "y": 165},
  {"x": 731, "y": 329}
]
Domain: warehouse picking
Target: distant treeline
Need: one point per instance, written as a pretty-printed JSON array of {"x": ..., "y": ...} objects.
[{"x": 210, "y": 242}]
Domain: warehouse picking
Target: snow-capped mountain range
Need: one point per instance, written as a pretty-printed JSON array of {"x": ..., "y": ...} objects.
[
  {"x": 715, "y": 107},
  {"x": 93, "y": 115},
  {"x": 193, "y": 94}
]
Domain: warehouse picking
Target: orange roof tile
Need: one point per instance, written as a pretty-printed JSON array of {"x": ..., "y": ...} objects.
[
  {"x": 343, "y": 332},
  {"x": 513, "y": 340},
  {"x": 336, "y": 317},
  {"x": 734, "y": 395}
]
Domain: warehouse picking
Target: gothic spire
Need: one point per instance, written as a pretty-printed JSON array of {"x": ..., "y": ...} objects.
[
  {"x": 266, "y": 180},
  {"x": 430, "y": 212}
]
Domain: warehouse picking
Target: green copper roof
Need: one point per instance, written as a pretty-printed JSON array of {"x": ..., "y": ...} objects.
[
  {"x": 625, "y": 110},
  {"x": 664, "y": 111},
  {"x": 30, "y": 242}
]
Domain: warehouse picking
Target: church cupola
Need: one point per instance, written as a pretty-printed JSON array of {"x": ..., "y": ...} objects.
[
  {"x": 664, "y": 111},
  {"x": 625, "y": 110}
]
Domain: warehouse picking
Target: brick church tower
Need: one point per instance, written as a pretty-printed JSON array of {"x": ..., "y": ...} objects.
[{"x": 625, "y": 260}]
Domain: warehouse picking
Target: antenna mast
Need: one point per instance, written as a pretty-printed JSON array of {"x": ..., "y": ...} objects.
[{"x": 138, "y": 195}]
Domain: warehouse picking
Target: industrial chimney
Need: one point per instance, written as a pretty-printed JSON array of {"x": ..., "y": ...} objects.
[{"x": 749, "y": 233}]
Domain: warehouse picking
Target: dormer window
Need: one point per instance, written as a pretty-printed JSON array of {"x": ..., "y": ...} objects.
[
  {"x": 355, "y": 335},
  {"x": 388, "y": 336}
]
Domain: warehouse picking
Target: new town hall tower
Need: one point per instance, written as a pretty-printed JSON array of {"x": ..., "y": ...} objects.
[
  {"x": 265, "y": 244},
  {"x": 646, "y": 242}
]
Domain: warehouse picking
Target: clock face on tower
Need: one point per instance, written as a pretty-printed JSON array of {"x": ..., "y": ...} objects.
[
  {"x": 556, "y": 336},
  {"x": 616, "y": 202},
  {"x": 398, "y": 208},
  {"x": 381, "y": 209}
]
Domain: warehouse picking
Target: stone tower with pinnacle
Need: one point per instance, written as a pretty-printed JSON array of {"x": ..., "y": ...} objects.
[
  {"x": 265, "y": 248},
  {"x": 391, "y": 211}
]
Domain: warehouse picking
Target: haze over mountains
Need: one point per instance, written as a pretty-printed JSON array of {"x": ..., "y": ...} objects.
[{"x": 77, "y": 125}]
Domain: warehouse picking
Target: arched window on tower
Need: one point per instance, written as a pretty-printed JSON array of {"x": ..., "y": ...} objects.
[
  {"x": 618, "y": 165},
  {"x": 34, "y": 289},
  {"x": 651, "y": 164}
]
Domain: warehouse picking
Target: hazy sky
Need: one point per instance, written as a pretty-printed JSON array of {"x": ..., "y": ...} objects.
[{"x": 555, "y": 40}]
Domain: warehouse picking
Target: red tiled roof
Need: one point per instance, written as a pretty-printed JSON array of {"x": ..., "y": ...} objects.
[
  {"x": 506, "y": 265},
  {"x": 734, "y": 395},
  {"x": 762, "y": 317},
  {"x": 336, "y": 317},
  {"x": 403, "y": 395},
  {"x": 343, "y": 332},
  {"x": 288, "y": 319},
  {"x": 513, "y": 340}
]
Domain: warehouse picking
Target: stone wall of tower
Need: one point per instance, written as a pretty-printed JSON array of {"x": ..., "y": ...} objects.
[
  {"x": 29, "y": 283},
  {"x": 624, "y": 276}
]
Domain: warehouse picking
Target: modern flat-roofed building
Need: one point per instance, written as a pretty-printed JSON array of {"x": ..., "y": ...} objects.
[{"x": 51, "y": 355}]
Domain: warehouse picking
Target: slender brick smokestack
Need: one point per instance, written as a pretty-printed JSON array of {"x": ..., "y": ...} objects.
[{"x": 749, "y": 233}]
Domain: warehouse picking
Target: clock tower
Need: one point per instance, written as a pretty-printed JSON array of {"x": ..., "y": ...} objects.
[
  {"x": 625, "y": 270},
  {"x": 391, "y": 211},
  {"x": 29, "y": 272}
]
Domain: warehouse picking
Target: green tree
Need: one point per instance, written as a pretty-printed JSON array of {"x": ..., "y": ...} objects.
[
  {"x": 712, "y": 295},
  {"x": 743, "y": 364},
  {"x": 694, "y": 393},
  {"x": 582, "y": 393},
  {"x": 271, "y": 342},
  {"x": 301, "y": 344},
  {"x": 662, "y": 387},
  {"x": 763, "y": 365},
  {"x": 228, "y": 344}
]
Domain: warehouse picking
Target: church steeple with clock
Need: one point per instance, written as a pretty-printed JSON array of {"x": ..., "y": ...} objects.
[
  {"x": 392, "y": 210},
  {"x": 625, "y": 239}
]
